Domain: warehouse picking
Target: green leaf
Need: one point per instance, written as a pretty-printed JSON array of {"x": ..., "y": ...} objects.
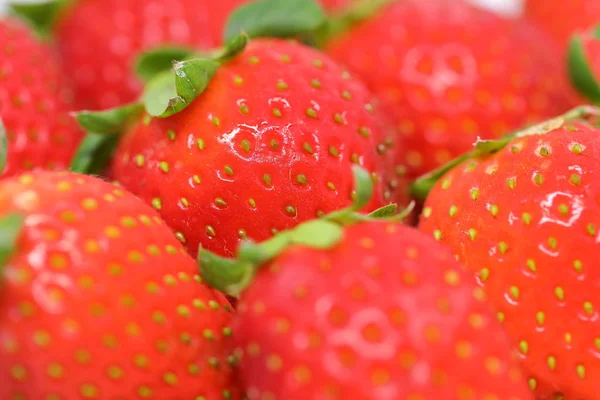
[
  {"x": 160, "y": 59},
  {"x": 275, "y": 18},
  {"x": 363, "y": 187},
  {"x": 3, "y": 147},
  {"x": 232, "y": 48},
  {"x": 171, "y": 92},
  {"x": 94, "y": 153},
  {"x": 227, "y": 275},
  {"x": 10, "y": 229},
  {"x": 581, "y": 74},
  {"x": 109, "y": 121},
  {"x": 317, "y": 234},
  {"x": 41, "y": 16},
  {"x": 384, "y": 212}
]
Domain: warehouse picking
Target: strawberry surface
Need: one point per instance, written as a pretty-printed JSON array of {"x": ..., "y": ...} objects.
[
  {"x": 268, "y": 145},
  {"x": 386, "y": 314},
  {"x": 100, "y": 301},
  {"x": 448, "y": 73},
  {"x": 561, "y": 19},
  {"x": 35, "y": 99},
  {"x": 526, "y": 220}
]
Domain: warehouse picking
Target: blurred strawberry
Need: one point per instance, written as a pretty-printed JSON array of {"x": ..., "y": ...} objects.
[
  {"x": 98, "y": 300},
  {"x": 99, "y": 40},
  {"x": 584, "y": 63},
  {"x": 562, "y": 18},
  {"x": 448, "y": 73},
  {"x": 35, "y": 99}
]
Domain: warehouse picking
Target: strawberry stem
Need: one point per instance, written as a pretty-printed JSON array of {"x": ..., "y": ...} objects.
[{"x": 484, "y": 148}]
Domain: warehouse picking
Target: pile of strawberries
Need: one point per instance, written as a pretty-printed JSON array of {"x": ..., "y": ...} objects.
[{"x": 299, "y": 200}]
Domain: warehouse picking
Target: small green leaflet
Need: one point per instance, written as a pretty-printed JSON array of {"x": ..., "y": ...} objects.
[
  {"x": 94, "y": 153},
  {"x": 40, "y": 15},
  {"x": 166, "y": 94},
  {"x": 3, "y": 147},
  {"x": 275, "y": 18},
  {"x": 10, "y": 229},
  {"x": 160, "y": 59},
  {"x": 109, "y": 121}
]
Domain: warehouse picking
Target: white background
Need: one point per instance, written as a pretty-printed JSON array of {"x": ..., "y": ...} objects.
[{"x": 509, "y": 7}]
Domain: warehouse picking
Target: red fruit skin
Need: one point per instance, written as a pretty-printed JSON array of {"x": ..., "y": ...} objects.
[
  {"x": 449, "y": 73},
  {"x": 228, "y": 168},
  {"x": 35, "y": 99},
  {"x": 100, "y": 301},
  {"x": 533, "y": 243},
  {"x": 363, "y": 321},
  {"x": 561, "y": 19},
  {"x": 100, "y": 56}
]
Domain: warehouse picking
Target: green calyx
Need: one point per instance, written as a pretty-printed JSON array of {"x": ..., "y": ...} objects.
[
  {"x": 11, "y": 226},
  {"x": 275, "y": 18},
  {"x": 41, "y": 16},
  {"x": 232, "y": 276},
  {"x": 485, "y": 148},
  {"x": 582, "y": 76},
  {"x": 3, "y": 147}
]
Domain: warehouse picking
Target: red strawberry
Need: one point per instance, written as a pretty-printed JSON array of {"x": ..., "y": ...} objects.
[
  {"x": 100, "y": 39},
  {"x": 35, "y": 98},
  {"x": 375, "y": 310},
  {"x": 563, "y": 18},
  {"x": 449, "y": 73},
  {"x": 584, "y": 63},
  {"x": 269, "y": 144},
  {"x": 99, "y": 300},
  {"x": 526, "y": 219}
]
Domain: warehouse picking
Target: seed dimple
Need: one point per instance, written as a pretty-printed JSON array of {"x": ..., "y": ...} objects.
[
  {"x": 333, "y": 151},
  {"x": 307, "y": 148},
  {"x": 472, "y": 233},
  {"x": 494, "y": 210},
  {"x": 575, "y": 180},
  {"x": 291, "y": 210},
  {"x": 210, "y": 231},
  {"x": 551, "y": 361},
  {"x": 453, "y": 211},
  {"x": 267, "y": 180},
  {"x": 277, "y": 113},
  {"x": 315, "y": 83},
  {"x": 346, "y": 95},
  {"x": 200, "y": 144},
  {"x": 140, "y": 160},
  {"x": 588, "y": 307},
  {"x": 245, "y": 144},
  {"x": 301, "y": 179},
  {"x": 219, "y": 202},
  {"x": 281, "y": 85},
  {"x": 538, "y": 179},
  {"x": 164, "y": 166},
  {"x": 474, "y": 193},
  {"x": 559, "y": 292},
  {"x": 544, "y": 151},
  {"x": 511, "y": 183},
  {"x": 311, "y": 112}
]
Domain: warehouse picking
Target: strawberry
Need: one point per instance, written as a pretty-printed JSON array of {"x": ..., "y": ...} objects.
[
  {"x": 35, "y": 101},
  {"x": 561, "y": 18},
  {"x": 269, "y": 144},
  {"x": 523, "y": 215},
  {"x": 584, "y": 63},
  {"x": 99, "y": 300},
  {"x": 448, "y": 73},
  {"x": 100, "y": 39},
  {"x": 370, "y": 310}
]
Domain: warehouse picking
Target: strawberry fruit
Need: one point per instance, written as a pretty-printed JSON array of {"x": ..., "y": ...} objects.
[
  {"x": 98, "y": 300},
  {"x": 366, "y": 310},
  {"x": 35, "y": 100},
  {"x": 448, "y": 73},
  {"x": 561, "y": 19},
  {"x": 269, "y": 143},
  {"x": 523, "y": 214}
]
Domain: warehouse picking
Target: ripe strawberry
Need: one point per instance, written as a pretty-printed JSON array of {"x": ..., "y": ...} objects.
[
  {"x": 99, "y": 301},
  {"x": 526, "y": 219},
  {"x": 584, "y": 63},
  {"x": 314, "y": 323},
  {"x": 35, "y": 98},
  {"x": 561, "y": 18},
  {"x": 269, "y": 144},
  {"x": 448, "y": 73}
]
